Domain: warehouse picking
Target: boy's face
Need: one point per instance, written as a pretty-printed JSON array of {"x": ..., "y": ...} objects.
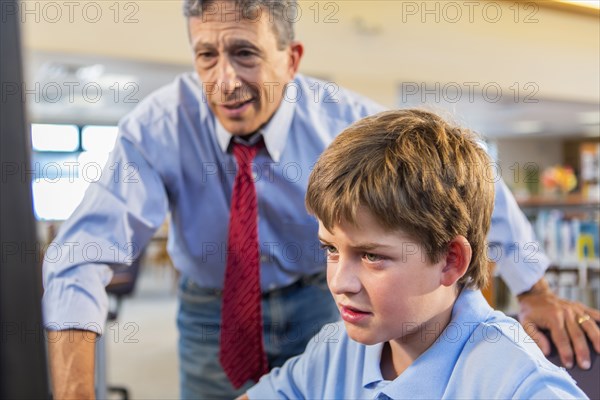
[{"x": 383, "y": 283}]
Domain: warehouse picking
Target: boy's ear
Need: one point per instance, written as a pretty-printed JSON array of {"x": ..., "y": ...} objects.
[{"x": 457, "y": 260}]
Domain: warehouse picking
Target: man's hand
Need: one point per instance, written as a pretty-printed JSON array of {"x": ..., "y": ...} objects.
[
  {"x": 71, "y": 354},
  {"x": 568, "y": 322}
]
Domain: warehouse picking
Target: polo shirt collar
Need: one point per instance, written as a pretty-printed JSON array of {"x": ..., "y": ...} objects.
[
  {"x": 274, "y": 132},
  {"x": 428, "y": 375},
  {"x": 372, "y": 369}
]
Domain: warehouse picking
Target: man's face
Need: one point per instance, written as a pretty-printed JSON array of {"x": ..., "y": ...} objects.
[
  {"x": 385, "y": 287},
  {"x": 241, "y": 67}
]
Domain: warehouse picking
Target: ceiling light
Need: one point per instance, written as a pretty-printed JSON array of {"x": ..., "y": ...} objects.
[
  {"x": 589, "y": 117},
  {"x": 526, "y": 127}
]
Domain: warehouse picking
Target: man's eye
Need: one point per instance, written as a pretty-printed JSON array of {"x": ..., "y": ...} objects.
[
  {"x": 205, "y": 55},
  {"x": 244, "y": 53},
  {"x": 370, "y": 257}
]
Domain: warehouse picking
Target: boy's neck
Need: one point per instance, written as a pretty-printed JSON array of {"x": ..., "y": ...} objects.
[{"x": 398, "y": 354}]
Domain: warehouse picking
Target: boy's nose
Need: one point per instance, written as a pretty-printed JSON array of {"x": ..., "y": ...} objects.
[{"x": 342, "y": 277}]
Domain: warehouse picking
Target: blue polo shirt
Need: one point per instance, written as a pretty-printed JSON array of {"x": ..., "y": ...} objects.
[{"x": 482, "y": 353}]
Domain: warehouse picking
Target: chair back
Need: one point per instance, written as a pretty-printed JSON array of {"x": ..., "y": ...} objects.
[{"x": 587, "y": 380}]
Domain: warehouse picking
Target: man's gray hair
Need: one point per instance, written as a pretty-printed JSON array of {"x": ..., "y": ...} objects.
[{"x": 282, "y": 13}]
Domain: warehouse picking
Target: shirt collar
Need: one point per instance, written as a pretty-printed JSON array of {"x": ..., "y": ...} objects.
[
  {"x": 437, "y": 363},
  {"x": 372, "y": 368},
  {"x": 274, "y": 132}
]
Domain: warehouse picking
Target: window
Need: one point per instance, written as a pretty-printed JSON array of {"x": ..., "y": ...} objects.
[
  {"x": 46, "y": 137},
  {"x": 98, "y": 138},
  {"x": 65, "y": 160}
]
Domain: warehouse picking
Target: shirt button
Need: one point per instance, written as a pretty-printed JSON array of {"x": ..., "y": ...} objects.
[
  {"x": 264, "y": 258},
  {"x": 254, "y": 175}
]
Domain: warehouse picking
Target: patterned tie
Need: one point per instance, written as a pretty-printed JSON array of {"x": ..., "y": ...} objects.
[{"x": 242, "y": 353}]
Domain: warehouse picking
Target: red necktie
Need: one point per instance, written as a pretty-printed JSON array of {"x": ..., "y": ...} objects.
[{"x": 242, "y": 353}]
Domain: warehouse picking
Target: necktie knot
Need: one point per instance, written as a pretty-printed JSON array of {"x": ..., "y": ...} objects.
[{"x": 244, "y": 154}]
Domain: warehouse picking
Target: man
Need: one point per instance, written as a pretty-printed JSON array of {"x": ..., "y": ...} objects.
[{"x": 228, "y": 152}]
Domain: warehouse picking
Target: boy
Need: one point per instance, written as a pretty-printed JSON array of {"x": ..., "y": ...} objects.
[{"x": 404, "y": 202}]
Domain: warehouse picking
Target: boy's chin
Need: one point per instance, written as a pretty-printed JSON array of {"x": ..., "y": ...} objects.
[{"x": 361, "y": 335}]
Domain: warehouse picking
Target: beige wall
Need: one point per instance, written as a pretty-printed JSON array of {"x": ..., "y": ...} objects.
[
  {"x": 516, "y": 154},
  {"x": 558, "y": 51}
]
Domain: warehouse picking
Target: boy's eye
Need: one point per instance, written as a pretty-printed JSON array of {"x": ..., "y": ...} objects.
[
  {"x": 329, "y": 249},
  {"x": 370, "y": 257}
]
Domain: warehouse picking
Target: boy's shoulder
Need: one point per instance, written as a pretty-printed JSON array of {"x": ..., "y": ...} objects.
[
  {"x": 332, "y": 366},
  {"x": 508, "y": 364}
]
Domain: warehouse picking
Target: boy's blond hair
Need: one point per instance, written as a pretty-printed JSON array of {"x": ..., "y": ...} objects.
[{"x": 415, "y": 172}]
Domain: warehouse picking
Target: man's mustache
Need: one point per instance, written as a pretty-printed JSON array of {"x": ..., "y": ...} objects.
[{"x": 243, "y": 91}]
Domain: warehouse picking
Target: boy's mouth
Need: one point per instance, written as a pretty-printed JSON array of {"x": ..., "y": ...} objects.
[{"x": 352, "y": 314}]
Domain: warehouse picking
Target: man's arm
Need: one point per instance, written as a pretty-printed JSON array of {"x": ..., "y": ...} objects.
[
  {"x": 566, "y": 321},
  {"x": 520, "y": 260},
  {"x": 521, "y": 264},
  {"x": 116, "y": 219},
  {"x": 71, "y": 354}
]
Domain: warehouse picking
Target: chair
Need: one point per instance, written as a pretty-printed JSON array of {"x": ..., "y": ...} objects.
[
  {"x": 121, "y": 285},
  {"x": 587, "y": 380}
]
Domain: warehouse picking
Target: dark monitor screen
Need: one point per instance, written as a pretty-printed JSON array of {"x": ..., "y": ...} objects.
[{"x": 23, "y": 372}]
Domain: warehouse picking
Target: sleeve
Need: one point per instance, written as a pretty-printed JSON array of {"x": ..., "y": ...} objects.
[
  {"x": 301, "y": 377},
  {"x": 520, "y": 259},
  {"x": 281, "y": 383},
  {"x": 117, "y": 217},
  {"x": 546, "y": 384}
]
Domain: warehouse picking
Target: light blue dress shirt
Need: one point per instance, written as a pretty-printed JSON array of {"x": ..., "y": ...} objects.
[
  {"x": 172, "y": 156},
  {"x": 482, "y": 354}
]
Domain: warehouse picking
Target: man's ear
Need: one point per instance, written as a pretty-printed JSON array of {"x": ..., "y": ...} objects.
[
  {"x": 296, "y": 52},
  {"x": 457, "y": 260}
]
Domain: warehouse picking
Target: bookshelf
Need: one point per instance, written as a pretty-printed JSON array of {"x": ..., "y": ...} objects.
[
  {"x": 571, "y": 201},
  {"x": 568, "y": 229}
]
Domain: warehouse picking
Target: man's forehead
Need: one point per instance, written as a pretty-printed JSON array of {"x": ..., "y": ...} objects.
[
  {"x": 227, "y": 41},
  {"x": 232, "y": 37},
  {"x": 232, "y": 11}
]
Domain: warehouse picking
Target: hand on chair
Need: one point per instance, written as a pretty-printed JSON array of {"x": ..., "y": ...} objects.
[{"x": 569, "y": 324}]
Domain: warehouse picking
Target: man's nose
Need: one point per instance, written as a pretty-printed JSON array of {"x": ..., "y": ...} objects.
[{"x": 227, "y": 79}]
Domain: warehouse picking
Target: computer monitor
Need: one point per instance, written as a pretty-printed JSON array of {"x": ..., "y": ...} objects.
[{"x": 23, "y": 368}]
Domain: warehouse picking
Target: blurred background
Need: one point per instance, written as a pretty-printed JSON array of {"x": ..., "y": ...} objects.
[{"x": 524, "y": 74}]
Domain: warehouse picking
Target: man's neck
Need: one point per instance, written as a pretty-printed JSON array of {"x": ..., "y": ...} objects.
[
  {"x": 248, "y": 140},
  {"x": 246, "y": 137}
]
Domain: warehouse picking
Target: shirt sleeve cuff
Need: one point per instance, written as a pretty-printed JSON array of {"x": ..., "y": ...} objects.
[
  {"x": 520, "y": 272},
  {"x": 77, "y": 300}
]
